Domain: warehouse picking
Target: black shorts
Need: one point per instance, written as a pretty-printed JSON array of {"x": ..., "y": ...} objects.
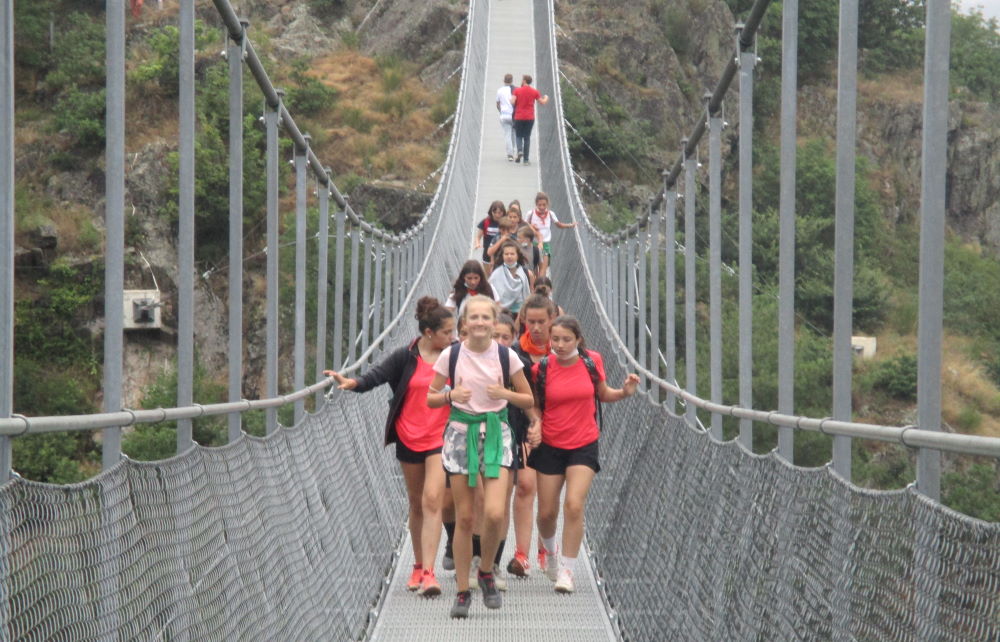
[
  {"x": 408, "y": 456},
  {"x": 550, "y": 460}
]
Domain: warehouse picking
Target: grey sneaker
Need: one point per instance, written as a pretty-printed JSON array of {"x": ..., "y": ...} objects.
[
  {"x": 460, "y": 609},
  {"x": 491, "y": 595}
]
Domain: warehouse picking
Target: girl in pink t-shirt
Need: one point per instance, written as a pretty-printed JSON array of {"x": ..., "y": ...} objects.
[
  {"x": 478, "y": 438},
  {"x": 568, "y": 454}
]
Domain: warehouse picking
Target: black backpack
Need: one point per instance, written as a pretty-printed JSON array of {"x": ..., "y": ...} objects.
[
  {"x": 595, "y": 379},
  {"x": 504, "y": 363}
]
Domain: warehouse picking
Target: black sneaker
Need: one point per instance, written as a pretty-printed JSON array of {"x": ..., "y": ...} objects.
[
  {"x": 518, "y": 159},
  {"x": 460, "y": 609},
  {"x": 448, "y": 561},
  {"x": 491, "y": 595}
]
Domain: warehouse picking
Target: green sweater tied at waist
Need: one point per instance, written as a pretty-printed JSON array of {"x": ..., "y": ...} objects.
[{"x": 492, "y": 444}]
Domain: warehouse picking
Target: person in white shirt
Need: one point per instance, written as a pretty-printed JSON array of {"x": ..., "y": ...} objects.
[
  {"x": 541, "y": 220},
  {"x": 505, "y": 105}
]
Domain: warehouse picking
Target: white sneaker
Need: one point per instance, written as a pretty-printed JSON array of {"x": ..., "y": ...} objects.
[
  {"x": 551, "y": 566},
  {"x": 474, "y": 573},
  {"x": 498, "y": 578},
  {"x": 564, "y": 583}
]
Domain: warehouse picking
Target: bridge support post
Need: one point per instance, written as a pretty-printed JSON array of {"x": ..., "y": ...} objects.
[
  {"x": 786, "y": 215},
  {"x": 301, "y": 225},
  {"x": 379, "y": 253},
  {"x": 271, "y": 119},
  {"x": 235, "y": 59},
  {"x": 843, "y": 279},
  {"x": 932, "y": 217},
  {"x": 715, "y": 259},
  {"x": 628, "y": 296},
  {"x": 366, "y": 292},
  {"x": 6, "y": 227},
  {"x": 322, "y": 287},
  {"x": 338, "y": 292},
  {"x": 642, "y": 253},
  {"x": 185, "y": 243},
  {"x": 748, "y": 60},
  {"x": 352, "y": 333},
  {"x": 670, "y": 303},
  {"x": 114, "y": 256},
  {"x": 655, "y": 223},
  {"x": 690, "y": 293}
]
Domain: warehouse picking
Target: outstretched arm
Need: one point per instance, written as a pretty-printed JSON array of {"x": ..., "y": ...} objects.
[
  {"x": 562, "y": 225},
  {"x": 344, "y": 383},
  {"x": 611, "y": 395}
]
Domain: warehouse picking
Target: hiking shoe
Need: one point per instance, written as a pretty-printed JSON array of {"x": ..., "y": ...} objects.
[
  {"x": 491, "y": 595},
  {"x": 414, "y": 582},
  {"x": 474, "y": 573},
  {"x": 448, "y": 561},
  {"x": 460, "y": 608},
  {"x": 564, "y": 583},
  {"x": 519, "y": 565},
  {"x": 525, "y": 162},
  {"x": 518, "y": 159},
  {"x": 549, "y": 563},
  {"x": 509, "y": 157},
  {"x": 498, "y": 578},
  {"x": 429, "y": 586}
]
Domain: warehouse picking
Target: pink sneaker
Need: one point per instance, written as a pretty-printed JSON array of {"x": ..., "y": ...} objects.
[{"x": 414, "y": 583}]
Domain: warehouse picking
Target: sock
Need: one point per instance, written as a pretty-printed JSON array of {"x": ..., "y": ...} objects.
[
  {"x": 418, "y": 567},
  {"x": 496, "y": 558},
  {"x": 549, "y": 543},
  {"x": 567, "y": 563},
  {"x": 477, "y": 550}
]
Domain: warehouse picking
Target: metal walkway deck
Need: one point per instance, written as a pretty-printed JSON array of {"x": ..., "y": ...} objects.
[{"x": 532, "y": 610}]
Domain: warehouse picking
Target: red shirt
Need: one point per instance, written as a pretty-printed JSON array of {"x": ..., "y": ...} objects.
[
  {"x": 420, "y": 427},
  {"x": 524, "y": 108},
  {"x": 568, "y": 420}
]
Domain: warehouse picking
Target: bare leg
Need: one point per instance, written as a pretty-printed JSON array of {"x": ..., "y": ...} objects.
[
  {"x": 549, "y": 487},
  {"x": 524, "y": 509},
  {"x": 578, "y": 479},
  {"x": 461, "y": 545},
  {"x": 431, "y": 505},
  {"x": 494, "y": 491},
  {"x": 413, "y": 474}
]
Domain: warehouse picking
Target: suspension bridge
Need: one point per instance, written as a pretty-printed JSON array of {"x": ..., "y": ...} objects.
[{"x": 300, "y": 534}]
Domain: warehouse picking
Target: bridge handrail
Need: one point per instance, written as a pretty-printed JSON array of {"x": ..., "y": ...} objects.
[{"x": 690, "y": 143}]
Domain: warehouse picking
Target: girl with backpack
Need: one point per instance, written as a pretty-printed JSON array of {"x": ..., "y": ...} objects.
[
  {"x": 478, "y": 444},
  {"x": 416, "y": 430},
  {"x": 568, "y": 385},
  {"x": 511, "y": 280},
  {"x": 470, "y": 282}
]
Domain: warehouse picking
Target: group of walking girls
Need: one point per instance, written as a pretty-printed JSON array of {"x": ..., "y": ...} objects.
[
  {"x": 508, "y": 410},
  {"x": 516, "y": 106}
]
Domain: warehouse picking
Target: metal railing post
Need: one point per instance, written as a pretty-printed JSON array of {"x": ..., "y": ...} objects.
[
  {"x": 843, "y": 279},
  {"x": 932, "y": 219},
  {"x": 301, "y": 227},
  {"x": 366, "y": 292},
  {"x": 655, "y": 222},
  {"x": 786, "y": 215},
  {"x": 352, "y": 332},
  {"x": 377, "y": 288},
  {"x": 690, "y": 293},
  {"x": 235, "y": 59},
  {"x": 628, "y": 296},
  {"x": 338, "y": 292},
  {"x": 670, "y": 298},
  {"x": 114, "y": 266},
  {"x": 271, "y": 121},
  {"x": 322, "y": 272},
  {"x": 7, "y": 217},
  {"x": 715, "y": 261},
  {"x": 748, "y": 60},
  {"x": 622, "y": 281},
  {"x": 642, "y": 254},
  {"x": 185, "y": 244},
  {"x": 390, "y": 275}
]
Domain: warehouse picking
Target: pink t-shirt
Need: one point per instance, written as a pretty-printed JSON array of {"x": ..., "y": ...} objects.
[
  {"x": 476, "y": 371},
  {"x": 568, "y": 420}
]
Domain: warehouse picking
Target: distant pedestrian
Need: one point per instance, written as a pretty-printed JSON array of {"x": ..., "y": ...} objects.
[
  {"x": 525, "y": 97},
  {"x": 542, "y": 219},
  {"x": 506, "y": 108}
]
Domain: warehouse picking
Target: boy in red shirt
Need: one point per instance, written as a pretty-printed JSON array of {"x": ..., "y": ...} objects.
[{"x": 524, "y": 115}]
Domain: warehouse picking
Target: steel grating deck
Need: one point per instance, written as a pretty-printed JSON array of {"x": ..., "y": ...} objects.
[{"x": 532, "y": 610}]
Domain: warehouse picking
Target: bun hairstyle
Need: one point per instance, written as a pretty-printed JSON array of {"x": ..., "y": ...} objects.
[
  {"x": 543, "y": 286},
  {"x": 431, "y": 314},
  {"x": 570, "y": 322}
]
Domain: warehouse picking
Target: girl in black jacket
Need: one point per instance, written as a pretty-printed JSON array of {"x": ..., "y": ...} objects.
[{"x": 417, "y": 431}]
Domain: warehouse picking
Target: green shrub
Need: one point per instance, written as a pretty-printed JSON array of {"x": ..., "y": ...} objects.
[
  {"x": 975, "y": 492},
  {"x": 897, "y": 377},
  {"x": 80, "y": 113}
]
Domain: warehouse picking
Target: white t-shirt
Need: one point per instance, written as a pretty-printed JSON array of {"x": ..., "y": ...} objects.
[
  {"x": 543, "y": 226},
  {"x": 503, "y": 99},
  {"x": 476, "y": 371}
]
